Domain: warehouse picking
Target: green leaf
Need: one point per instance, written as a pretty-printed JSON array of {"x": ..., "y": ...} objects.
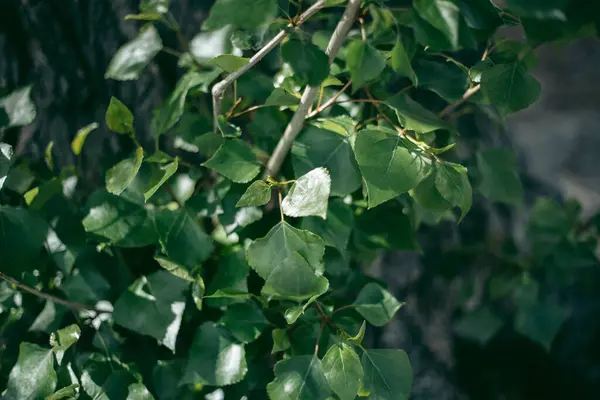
[
  {"x": 280, "y": 97},
  {"x": 229, "y": 62},
  {"x": 21, "y": 239},
  {"x": 169, "y": 113},
  {"x": 33, "y": 375},
  {"x": 281, "y": 342},
  {"x": 364, "y": 62},
  {"x": 400, "y": 62},
  {"x": 389, "y": 168},
  {"x": 6, "y": 153},
  {"x": 235, "y": 160},
  {"x": 547, "y": 9},
  {"x": 182, "y": 238},
  {"x": 155, "y": 6},
  {"x": 161, "y": 172},
  {"x": 308, "y": 62},
  {"x": 439, "y": 24},
  {"x": 299, "y": 378},
  {"x": 540, "y": 323},
  {"x": 48, "y": 159},
  {"x": 510, "y": 87},
  {"x": 81, "y": 136},
  {"x": 499, "y": 177},
  {"x": 343, "y": 371},
  {"x": 215, "y": 358},
  {"x": 178, "y": 270},
  {"x": 129, "y": 61},
  {"x": 245, "y": 321},
  {"x": 428, "y": 196},
  {"x": 241, "y": 13},
  {"x": 376, "y": 304},
  {"x": 414, "y": 117},
  {"x": 358, "y": 338},
  {"x": 480, "y": 325},
  {"x": 230, "y": 279},
  {"x": 18, "y": 107},
  {"x": 388, "y": 375},
  {"x": 336, "y": 229},
  {"x": 68, "y": 392},
  {"x": 323, "y": 148},
  {"x": 153, "y": 305},
  {"x": 309, "y": 195},
  {"x": 118, "y": 117},
  {"x": 121, "y": 222},
  {"x": 446, "y": 79},
  {"x": 452, "y": 182},
  {"x": 257, "y": 194},
  {"x": 122, "y": 174},
  {"x": 290, "y": 261},
  {"x": 62, "y": 339}
]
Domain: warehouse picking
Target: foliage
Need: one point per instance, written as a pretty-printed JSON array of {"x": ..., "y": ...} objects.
[{"x": 188, "y": 273}]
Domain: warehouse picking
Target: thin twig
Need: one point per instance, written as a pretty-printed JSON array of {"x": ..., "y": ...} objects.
[
  {"x": 343, "y": 308},
  {"x": 319, "y": 337},
  {"x": 69, "y": 304},
  {"x": 280, "y": 206},
  {"x": 249, "y": 109},
  {"x": 451, "y": 107},
  {"x": 219, "y": 88},
  {"x": 330, "y": 102},
  {"x": 308, "y": 97}
]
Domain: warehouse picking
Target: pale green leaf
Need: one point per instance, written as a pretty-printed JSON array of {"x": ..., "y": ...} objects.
[
  {"x": 129, "y": 61},
  {"x": 160, "y": 174},
  {"x": 64, "y": 338},
  {"x": 81, "y": 136},
  {"x": 119, "y": 118},
  {"x": 18, "y": 107},
  {"x": 376, "y": 304},
  {"x": 400, "y": 62},
  {"x": 299, "y": 378},
  {"x": 281, "y": 341},
  {"x": 280, "y": 97},
  {"x": 48, "y": 158},
  {"x": 235, "y": 160},
  {"x": 33, "y": 375},
  {"x": 229, "y": 62},
  {"x": 364, "y": 62},
  {"x": 68, "y": 392},
  {"x": 6, "y": 153},
  {"x": 122, "y": 174},
  {"x": 452, "y": 181},
  {"x": 388, "y": 374},
  {"x": 257, "y": 194},
  {"x": 309, "y": 195},
  {"x": 343, "y": 371}
]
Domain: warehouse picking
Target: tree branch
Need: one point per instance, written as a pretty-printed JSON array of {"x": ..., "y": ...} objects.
[
  {"x": 66, "y": 303},
  {"x": 451, "y": 107},
  {"x": 310, "y": 93},
  {"x": 219, "y": 88}
]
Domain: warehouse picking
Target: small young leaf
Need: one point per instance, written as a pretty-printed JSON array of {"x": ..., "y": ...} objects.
[
  {"x": 364, "y": 62},
  {"x": 245, "y": 321},
  {"x": 257, "y": 194},
  {"x": 48, "y": 158},
  {"x": 309, "y": 195},
  {"x": 82, "y": 134},
  {"x": 118, "y": 117},
  {"x": 281, "y": 342},
  {"x": 240, "y": 13},
  {"x": 229, "y": 62},
  {"x": 6, "y": 153},
  {"x": 400, "y": 63},
  {"x": 388, "y": 375},
  {"x": 215, "y": 358},
  {"x": 299, "y": 378},
  {"x": 235, "y": 161},
  {"x": 343, "y": 371},
  {"x": 122, "y": 174},
  {"x": 414, "y": 117},
  {"x": 33, "y": 375},
  {"x": 499, "y": 178},
  {"x": 358, "y": 338},
  {"x": 510, "y": 87},
  {"x": 62, "y": 339},
  {"x": 480, "y": 325},
  {"x": 376, "y": 304},
  {"x": 18, "y": 107},
  {"x": 388, "y": 167},
  {"x": 308, "y": 62},
  {"x": 452, "y": 182},
  {"x": 129, "y": 61}
]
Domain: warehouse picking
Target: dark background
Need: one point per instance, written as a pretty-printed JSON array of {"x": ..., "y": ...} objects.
[{"x": 63, "y": 47}]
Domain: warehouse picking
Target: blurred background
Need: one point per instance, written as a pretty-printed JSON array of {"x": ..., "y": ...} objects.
[{"x": 63, "y": 47}]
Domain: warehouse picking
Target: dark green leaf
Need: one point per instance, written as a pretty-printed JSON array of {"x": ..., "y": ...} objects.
[
  {"x": 343, "y": 371},
  {"x": 499, "y": 178},
  {"x": 388, "y": 375},
  {"x": 439, "y": 24},
  {"x": 413, "y": 116},
  {"x": 6, "y": 153},
  {"x": 447, "y": 80},
  {"x": 427, "y": 195},
  {"x": 215, "y": 358},
  {"x": 539, "y": 9},
  {"x": 388, "y": 167},
  {"x": 245, "y": 321},
  {"x": 159, "y": 175},
  {"x": 540, "y": 323},
  {"x": 182, "y": 238},
  {"x": 452, "y": 182},
  {"x": 376, "y": 304},
  {"x": 33, "y": 375},
  {"x": 18, "y": 107},
  {"x": 308, "y": 62},
  {"x": 364, "y": 62},
  {"x": 129, "y": 61},
  {"x": 121, "y": 222},
  {"x": 280, "y": 97},
  {"x": 64, "y": 338},
  {"x": 509, "y": 87},
  {"x": 230, "y": 278},
  {"x": 400, "y": 62},
  {"x": 153, "y": 305},
  {"x": 336, "y": 229},
  {"x": 82, "y": 134},
  {"x": 309, "y": 195},
  {"x": 118, "y": 117},
  {"x": 281, "y": 342},
  {"x": 299, "y": 378},
  {"x": 235, "y": 160},
  {"x": 323, "y": 148},
  {"x": 257, "y": 194},
  {"x": 122, "y": 174},
  {"x": 480, "y": 325},
  {"x": 21, "y": 239},
  {"x": 241, "y": 13}
]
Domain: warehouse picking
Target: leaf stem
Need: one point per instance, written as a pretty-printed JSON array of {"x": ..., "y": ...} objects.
[
  {"x": 451, "y": 107},
  {"x": 321, "y": 329},
  {"x": 57, "y": 300},
  {"x": 342, "y": 308},
  {"x": 280, "y": 201}
]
